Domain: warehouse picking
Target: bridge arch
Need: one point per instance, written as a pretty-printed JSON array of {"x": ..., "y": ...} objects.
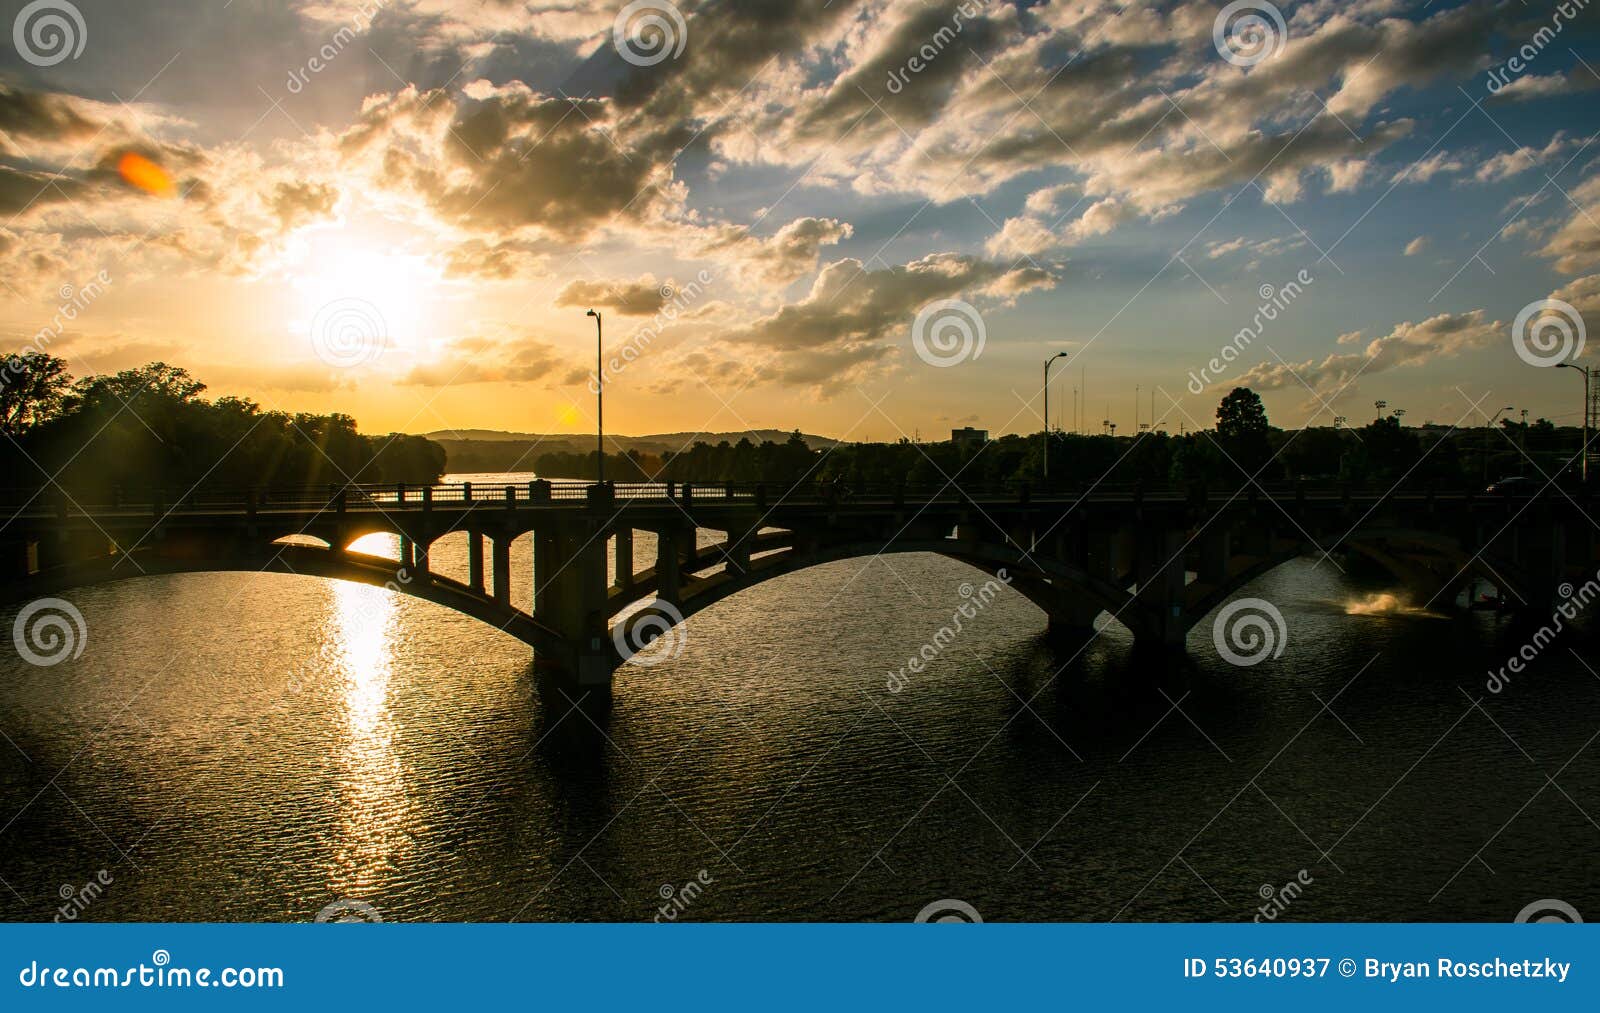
[
  {"x": 298, "y": 560},
  {"x": 1067, "y": 595}
]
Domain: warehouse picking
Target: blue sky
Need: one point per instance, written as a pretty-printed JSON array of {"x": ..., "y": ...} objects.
[{"x": 454, "y": 184}]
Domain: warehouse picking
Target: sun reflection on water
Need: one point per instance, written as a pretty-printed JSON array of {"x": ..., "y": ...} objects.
[
  {"x": 1384, "y": 603},
  {"x": 374, "y": 805}
]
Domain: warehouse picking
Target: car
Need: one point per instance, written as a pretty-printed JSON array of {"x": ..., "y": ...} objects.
[{"x": 1514, "y": 485}]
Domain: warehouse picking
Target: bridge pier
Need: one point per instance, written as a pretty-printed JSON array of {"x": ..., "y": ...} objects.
[
  {"x": 624, "y": 567},
  {"x": 475, "y": 560},
  {"x": 1163, "y": 622},
  {"x": 500, "y": 546},
  {"x": 669, "y": 574},
  {"x": 569, "y": 596}
]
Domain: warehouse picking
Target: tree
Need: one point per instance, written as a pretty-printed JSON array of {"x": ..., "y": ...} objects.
[
  {"x": 1242, "y": 430},
  {"x": 1241, "y": 415},
  {"x": 32, "y": 386}
]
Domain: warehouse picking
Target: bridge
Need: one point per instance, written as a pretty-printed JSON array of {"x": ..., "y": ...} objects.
[{"x": 1156, "y": 560}]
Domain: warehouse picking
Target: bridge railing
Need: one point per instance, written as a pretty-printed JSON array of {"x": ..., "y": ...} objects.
[{"x": 761, "y": 495}]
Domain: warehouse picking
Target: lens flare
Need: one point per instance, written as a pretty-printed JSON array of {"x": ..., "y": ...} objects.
[{"x": 142, "y": 174}]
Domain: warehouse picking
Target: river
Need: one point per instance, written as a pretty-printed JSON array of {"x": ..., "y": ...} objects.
[{"x": 259, "y": 747}]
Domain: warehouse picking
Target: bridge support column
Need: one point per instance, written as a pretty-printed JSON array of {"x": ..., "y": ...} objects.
[
  {"x": 624, "y": 557},
  {"x": 569, "y": 569},
  {"x": 408, "y": 554},
  {"x": 501, "y": 547},
  {"x": 669, "y": 575},
  {"x": 475, "y": 560},
  {"x": 688, "y": 542},
  {"x": 423, "y": 549},
  {"x": 739, "y": 551},
  {"x": 1070, "y": 623},
  {"x": 1161, "y": 582},
  {"x": 1215, "y": 548}
]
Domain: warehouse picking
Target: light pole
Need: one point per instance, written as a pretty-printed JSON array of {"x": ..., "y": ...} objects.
[
  {"x": 1047, "y": 362},
  {"x": 1583, "y": 452},
  {"x": 599, "y": 403}
]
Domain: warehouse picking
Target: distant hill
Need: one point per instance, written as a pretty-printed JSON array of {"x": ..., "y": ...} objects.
[{"x": 475, "y": 450}]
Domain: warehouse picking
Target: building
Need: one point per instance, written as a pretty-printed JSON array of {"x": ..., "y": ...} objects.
[{"x": 967, "y": 434}]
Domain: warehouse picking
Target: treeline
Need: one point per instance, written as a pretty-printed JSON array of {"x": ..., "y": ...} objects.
[
  {"x": 1244, "y": 445},
  {"x": 150, "y": 428}
]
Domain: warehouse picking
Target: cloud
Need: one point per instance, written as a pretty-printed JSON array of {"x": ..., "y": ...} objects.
[
  {"x": 503, "y": 160},
  {"x": 297, "y": 204},
  {"x": 1143, "y": 111},
  {"x": 1535, "y": 86},
  {"x": 844, "y": 324},
  {"x": 1417, "y": 246},
  {"x": 1423, "y": 170},
  {"x": 1409, "y": 344},
  {"x": 629, "y": 298},
  {"x": 493, "y": 261},
  {"x": 486, "y": 360},
  {"x": 786, "y": 256},
  {"x": 1576, "y": 244},
  {"x": 1583, "y": 295},
  {"x": 1511, "y": 163}
]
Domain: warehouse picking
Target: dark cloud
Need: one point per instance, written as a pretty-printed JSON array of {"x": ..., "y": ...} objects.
[{"x": 503, "y": 159}]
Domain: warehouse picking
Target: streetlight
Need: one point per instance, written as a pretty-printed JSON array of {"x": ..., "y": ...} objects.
[
  {"x": 599, "y": 403},
  {"x": 1047, "y": 362},
  {"x": 1583, "y": 453}
]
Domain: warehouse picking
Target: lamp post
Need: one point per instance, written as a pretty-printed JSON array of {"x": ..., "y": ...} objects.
[
  {"x": 1047, "y": 362},
  {"x": 599, "y": 403},
  {"x": 1583, "y": 451}
]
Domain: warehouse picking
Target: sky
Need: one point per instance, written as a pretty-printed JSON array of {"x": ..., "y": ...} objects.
[{"x": 865, "y": 220}]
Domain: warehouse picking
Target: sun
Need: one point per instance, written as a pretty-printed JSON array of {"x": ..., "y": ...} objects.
[{"x": 339, "y": 265}]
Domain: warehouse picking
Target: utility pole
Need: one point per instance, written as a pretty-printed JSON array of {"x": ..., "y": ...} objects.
[{"x": 1588, "y": 410}]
